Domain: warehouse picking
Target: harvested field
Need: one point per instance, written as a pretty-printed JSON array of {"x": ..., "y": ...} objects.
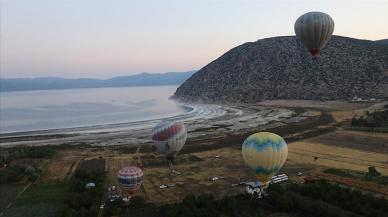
[
  {"x": 58, "y": 170},
  {"x": 65, "y": 162},
  {"x": 97, "y": 164},
  {"x": 358, "y": 140},
  {"x": 337, "y": 157}
]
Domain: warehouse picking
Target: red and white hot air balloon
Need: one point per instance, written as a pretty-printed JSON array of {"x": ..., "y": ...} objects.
[
  {"x": 130, "y": 179},
  {"x": 169, "y": 138}
]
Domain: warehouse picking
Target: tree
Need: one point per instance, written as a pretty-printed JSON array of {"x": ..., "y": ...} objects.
[
  {"x": 4, "y": 155},
  {"x": 373, "y": 172}
]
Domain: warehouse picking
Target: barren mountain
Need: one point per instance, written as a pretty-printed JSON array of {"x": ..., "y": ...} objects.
[{"x": 281, "y": 68}]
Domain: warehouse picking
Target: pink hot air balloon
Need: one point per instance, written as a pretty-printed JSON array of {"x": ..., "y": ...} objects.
[
  {"x": 169, "y": 138},
  {"x": 130, "y": 179}
]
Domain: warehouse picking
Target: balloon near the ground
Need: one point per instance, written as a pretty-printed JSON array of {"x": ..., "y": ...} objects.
[
  {"x": 169, "y": 138},
  {"x": 265, "y": 153},
  {"x": 130, "y": 179},
  {"x": 314, "y": 30}
]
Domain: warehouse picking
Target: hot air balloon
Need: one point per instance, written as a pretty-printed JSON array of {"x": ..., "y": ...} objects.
[
  {"x": 314, "y": 30},
  {"x": 265, "y": 153},
  {"x": 130, "y": 179},
  {"x": 169, "y": 138}
]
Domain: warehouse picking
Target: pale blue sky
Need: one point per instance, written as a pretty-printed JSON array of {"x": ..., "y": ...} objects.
[{"x": 105, "y": 38}]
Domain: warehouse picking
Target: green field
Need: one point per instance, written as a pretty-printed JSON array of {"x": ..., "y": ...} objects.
[
  {"x": 8, "y": 193},
  {"x": 41, "y": 200}
]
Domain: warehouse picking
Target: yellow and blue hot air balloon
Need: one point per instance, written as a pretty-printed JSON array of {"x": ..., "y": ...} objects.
[{"x": 265, "y": 153}]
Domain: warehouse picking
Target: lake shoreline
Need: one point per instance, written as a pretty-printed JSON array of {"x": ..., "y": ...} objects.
[
  {"x": 203, "y": 120},
  {"x": 294, "y": 119}
]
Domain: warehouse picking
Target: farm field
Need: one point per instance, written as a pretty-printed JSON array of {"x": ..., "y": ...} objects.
[
  {"x": 44, "y": 200},
  {"x": 9, "y": 193},
  {"x": 63, "y": 165},
  {"x": 343, "y": 149}
]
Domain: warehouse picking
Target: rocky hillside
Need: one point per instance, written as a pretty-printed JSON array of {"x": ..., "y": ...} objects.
[{"x": 281, "y": 68}]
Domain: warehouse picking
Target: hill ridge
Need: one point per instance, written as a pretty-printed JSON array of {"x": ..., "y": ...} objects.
[
  {"x": 281, "y": 68},
  {"x": 49, "y": 83}
]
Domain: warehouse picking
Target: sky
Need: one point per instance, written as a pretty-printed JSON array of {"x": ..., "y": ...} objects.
[{"x": 107, "y": 38}]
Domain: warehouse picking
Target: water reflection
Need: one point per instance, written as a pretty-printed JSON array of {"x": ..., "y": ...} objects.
[{"x": 53, "y": 109}]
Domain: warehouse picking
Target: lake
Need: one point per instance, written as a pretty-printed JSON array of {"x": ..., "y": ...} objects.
[{"x": 70, "y": 108}]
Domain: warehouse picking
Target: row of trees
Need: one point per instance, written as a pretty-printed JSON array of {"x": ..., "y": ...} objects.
[
  {"x": 10, "y": 173},
  {"x": 364, "y": 204},
  {"x": 16, "y": 173},
  {"x": 319, "y": 199},
  {"x": 373, "y": 119},
  {"x": 7, "y": 155}
]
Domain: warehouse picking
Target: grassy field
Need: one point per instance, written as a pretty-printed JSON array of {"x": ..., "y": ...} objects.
[
  {"x": 9, "y": 193},
  {"x": 44, "y": 200}
]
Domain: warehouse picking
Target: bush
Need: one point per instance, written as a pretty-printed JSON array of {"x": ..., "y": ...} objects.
[
  {"x": 137, "y": 202},
  {"x": 371, "y": 119},
  {"x": 11, "y": 174},
  {"x": 373, "y": 172}
]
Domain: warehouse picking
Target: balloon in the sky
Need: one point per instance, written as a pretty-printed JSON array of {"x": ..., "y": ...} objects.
[
  {"x": 314, "y": 30},
  {"x": 130, "y": 179},
  {"x": 169, "y": 138},
  {"x": 265, "y": 153}
]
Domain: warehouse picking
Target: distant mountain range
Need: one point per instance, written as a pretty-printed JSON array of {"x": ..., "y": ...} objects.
[
  {"x": 281, "y": 68},
  {"x": 143, "y": 79},
  {"x": 383, "y": 41}
]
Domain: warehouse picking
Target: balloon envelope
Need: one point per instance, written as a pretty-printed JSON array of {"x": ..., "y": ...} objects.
[
  {"x": 314, "y": 30},
  {"x": 169, "y": 138},
  {"x": 130, "y": 179},
  {"x": 265, "y": 153}
]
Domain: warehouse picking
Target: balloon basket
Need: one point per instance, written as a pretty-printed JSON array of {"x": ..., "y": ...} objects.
[{"x": 256, "y": 189}]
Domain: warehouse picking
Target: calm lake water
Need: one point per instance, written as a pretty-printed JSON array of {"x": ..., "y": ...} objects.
[{"x": 56, "y": 109}]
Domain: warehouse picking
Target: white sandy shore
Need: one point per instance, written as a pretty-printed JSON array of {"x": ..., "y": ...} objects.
[{"x": 201, "y": 120}]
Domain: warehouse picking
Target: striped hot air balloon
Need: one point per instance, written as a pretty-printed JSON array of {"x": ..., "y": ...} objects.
[
  {"x": 265, "y": 153},
  {"x": 130, "y": 179},
  {"x": 169, "y": 138},
  {"x": 314, "y": 30}
]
